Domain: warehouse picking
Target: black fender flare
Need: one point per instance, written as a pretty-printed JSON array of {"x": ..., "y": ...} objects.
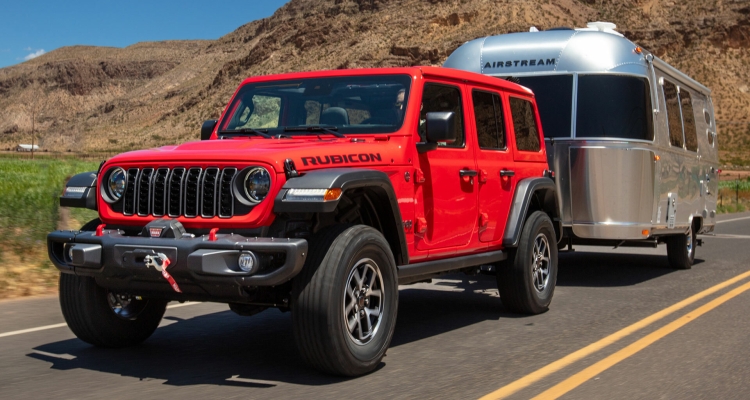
[
  {"x": 346, "y": 179},
  {"x": 525, "y": 190},
  {"x": 87, "y": 199}
]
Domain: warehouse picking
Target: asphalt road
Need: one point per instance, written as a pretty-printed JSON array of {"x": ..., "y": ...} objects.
[{"x": 453, "y": 340}]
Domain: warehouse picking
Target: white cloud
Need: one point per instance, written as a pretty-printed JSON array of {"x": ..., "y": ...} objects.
[{"x": 34, "y": 54}]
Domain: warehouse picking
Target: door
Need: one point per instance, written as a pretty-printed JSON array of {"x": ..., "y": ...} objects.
[
  {"x": 447, "y": 198},
  {"x": 494, "y": 163}
]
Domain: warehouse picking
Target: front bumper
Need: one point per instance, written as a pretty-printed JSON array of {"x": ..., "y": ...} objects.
[{"x": 202, "y": 268}]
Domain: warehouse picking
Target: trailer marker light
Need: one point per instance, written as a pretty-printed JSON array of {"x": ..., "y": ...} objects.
[
  {"x": 644, "y": 232},
  {"x": 638, "y": 50},
  {"x": 656, "y": 157}
]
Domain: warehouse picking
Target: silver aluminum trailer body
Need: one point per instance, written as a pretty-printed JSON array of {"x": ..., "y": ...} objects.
[{"x": 632, "y": 140}]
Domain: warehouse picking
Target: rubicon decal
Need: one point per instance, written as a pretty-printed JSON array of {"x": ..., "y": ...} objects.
[{"x": 341, "y": 159}]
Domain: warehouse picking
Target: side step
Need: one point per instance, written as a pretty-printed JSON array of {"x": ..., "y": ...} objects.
[{"x": 449, "y": 264}]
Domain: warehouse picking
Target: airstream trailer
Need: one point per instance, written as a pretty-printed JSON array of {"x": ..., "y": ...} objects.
[{"x": 631, "y": 139}]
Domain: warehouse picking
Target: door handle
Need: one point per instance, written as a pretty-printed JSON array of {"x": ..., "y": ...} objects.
[
  {"x": 467, "y": 172},
  {"x": 507, "y": 172}
]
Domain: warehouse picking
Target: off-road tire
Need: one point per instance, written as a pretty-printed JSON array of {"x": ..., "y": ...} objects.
[
  {"x": 89, "y": 315},
  {"x": 515, "y": 277},
  {"x": 679, "y": 254},
  {"x": 319, "y": 295}
]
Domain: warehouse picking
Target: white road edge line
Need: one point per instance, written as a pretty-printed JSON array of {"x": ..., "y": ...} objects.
[
  {"x": 732, "y": 220},
  {"x": 39, "y": 328},
  {"x": 44, "y": 328}
]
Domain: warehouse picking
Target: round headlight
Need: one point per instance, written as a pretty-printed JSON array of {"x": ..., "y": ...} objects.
[
  {"x": 257, "y": 184},
  {"x": 116, "y": 183}
]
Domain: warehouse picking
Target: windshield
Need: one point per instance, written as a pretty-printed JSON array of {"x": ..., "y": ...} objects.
[
  {"x": 554, "y": 98},
  {"x": 613, "y": 106},
  {"x": 347, "y": 104}
]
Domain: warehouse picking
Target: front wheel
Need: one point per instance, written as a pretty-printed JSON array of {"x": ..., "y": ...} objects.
[
  {"x": 526, "y": 281},
  {"x": 345, "y": 300},
  {"x": 681, "y": 249},
  {"x": 106, "y": 319}
]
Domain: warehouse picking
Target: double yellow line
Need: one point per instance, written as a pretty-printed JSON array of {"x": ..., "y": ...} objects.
[{"x": 590, "y": 372}]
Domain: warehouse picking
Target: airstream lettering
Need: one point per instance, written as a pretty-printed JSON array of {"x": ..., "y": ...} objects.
[{"x": 632, "y": 139}]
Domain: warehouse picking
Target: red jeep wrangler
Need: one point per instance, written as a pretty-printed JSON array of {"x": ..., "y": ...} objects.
[{"x": 319, "y": 192}]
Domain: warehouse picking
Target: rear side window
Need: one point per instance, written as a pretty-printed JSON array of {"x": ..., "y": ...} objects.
[
  {"x": 437, "y": 98},
  {"x": 488, "y": 113},
  {"x": 688, "y": 121},
  {"x": 524, "y": 124},
  {"x": 673, "y": 113}
]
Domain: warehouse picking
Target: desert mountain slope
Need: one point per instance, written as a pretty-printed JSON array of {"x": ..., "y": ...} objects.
[{"x": 94, "y": 98}]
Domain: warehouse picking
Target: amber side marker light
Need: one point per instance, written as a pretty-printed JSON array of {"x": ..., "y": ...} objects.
[
  {"x": 638, "y": 50},
  {"x": 656, "y": 157},
  {"x": 645, "y": 232},
  {"x": 332, "y": 194}
]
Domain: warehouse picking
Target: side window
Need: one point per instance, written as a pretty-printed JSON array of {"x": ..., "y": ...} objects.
[
  {"x": 673, "y": 113},
  {"x": 488, "y": 113},
  {"x": 438, "y": 97},
  {"x": 688, "y": 121},
  {"x": 524, "y": 124}
]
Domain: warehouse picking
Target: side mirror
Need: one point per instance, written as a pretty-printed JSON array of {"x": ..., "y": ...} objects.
[
  {"x": 207, "y": 129},
  {"x": 441, "y": 127}
]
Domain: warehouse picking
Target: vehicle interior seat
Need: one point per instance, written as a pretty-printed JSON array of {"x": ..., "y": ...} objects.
[{"x": 334, "y": 116}]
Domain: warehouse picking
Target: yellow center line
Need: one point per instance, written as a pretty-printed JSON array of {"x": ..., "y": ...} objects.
[
  {"x": 555, "y": 366},
  {"x": 594, "y": 370}
]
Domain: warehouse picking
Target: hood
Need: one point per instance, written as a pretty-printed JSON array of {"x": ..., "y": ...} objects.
[{"x": 306, "y": 152}]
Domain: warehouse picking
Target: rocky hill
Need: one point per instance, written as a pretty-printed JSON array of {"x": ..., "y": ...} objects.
[{"x": 93, "y": 98}]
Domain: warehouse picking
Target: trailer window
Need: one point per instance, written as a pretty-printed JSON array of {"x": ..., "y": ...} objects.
[
  {"x": 488, "y": 112},
  {"x": 688, "y": 121},
  {"x": 524, "y": 125},
  {"x": 673, "y": 113},
  {"x": 612, "y": 106},
  {"x": 554, "y": 99}
]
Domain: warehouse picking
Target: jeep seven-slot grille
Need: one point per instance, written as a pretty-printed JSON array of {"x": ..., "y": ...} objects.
[{"x": 188, "y": 192}]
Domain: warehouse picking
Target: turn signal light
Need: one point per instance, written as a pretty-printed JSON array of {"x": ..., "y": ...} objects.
[
  {"x": 332, "y": 194},
  {"x": 638, "y": 50},
  {"x": 645, "y": 232}
]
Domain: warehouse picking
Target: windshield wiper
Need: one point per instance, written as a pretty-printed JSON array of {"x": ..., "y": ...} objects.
[
  {"x": 260, "y": 132},
  {"x": 315, "y": 128}
]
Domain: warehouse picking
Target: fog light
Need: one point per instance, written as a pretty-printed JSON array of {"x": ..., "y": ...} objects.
[
  {"x": 70, "y": 253},
  {"x": 247, "y": 262}
]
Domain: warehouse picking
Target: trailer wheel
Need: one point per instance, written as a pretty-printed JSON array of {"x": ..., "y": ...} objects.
[
  {"x": 526, "y": 281},
  {"x": 106, "y": 319},
  {"x": 681, "y": 249},
  {"x": 345, "y": 300}
]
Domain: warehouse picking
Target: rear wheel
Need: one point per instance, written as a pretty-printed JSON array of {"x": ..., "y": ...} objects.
[
  {"x": 345, "y": 300},
  {"x": 681, "y": 249},
  {"x": 526, "y": 281},
  {"x": 104, "y": 318}
]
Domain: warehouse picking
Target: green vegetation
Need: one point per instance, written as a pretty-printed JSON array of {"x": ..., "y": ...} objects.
[
  {"x": 734, "y": 196},
  {"x": 29, "y": 191}
]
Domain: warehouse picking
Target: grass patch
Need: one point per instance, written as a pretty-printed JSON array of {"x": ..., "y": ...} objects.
[{"x": 29, "y": 191}]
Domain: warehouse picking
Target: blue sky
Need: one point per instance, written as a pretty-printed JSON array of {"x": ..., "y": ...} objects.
[{"x": 32, "y": 27}]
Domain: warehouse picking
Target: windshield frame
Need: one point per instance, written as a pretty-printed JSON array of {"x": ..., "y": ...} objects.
[{"x": 292, "y": 97}]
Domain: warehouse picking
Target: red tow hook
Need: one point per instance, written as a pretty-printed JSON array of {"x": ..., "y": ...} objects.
[
  {"x": 100, "y": 229},
  {"x": 212, "y": 234}
]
